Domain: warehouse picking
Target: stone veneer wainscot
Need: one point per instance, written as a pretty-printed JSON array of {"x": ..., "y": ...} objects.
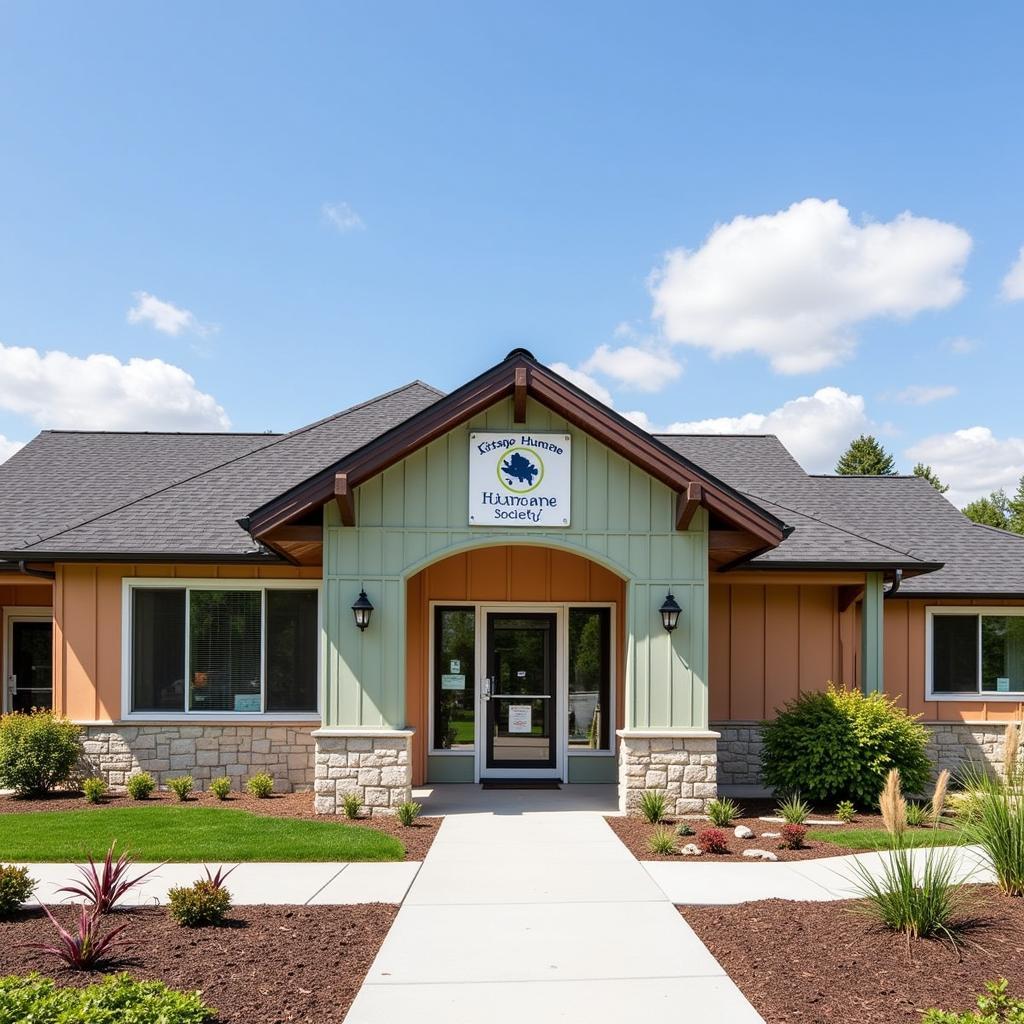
[
  {"x": 203, "y": 751},
  {"x": 682, "y": 764},
  {"x": 375, "y": 764}
]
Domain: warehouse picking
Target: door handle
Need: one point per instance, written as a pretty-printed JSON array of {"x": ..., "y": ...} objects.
[{"x": 485, "y": 689}]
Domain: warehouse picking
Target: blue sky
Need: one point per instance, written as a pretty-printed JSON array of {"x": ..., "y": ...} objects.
[{"x": 305, "y": 205}]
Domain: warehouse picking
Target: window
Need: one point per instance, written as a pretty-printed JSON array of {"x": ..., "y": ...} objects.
[
  {"x": 234, "y": 649},
  {"x": 977, "y": 653},
  {"x": 454, "y": 678},
  {"x": 589, "y": 678}
]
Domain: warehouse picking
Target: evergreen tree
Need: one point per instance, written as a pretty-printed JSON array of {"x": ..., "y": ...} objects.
[
  {"x": 1015, "y": 509},
  {"x": 990, "y": 511},
  {"x": 927, "y": 473},
  {"x": 865, "y": 457}
]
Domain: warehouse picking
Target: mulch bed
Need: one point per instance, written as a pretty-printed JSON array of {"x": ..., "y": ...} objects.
[
  {"x": 416, "y": 839},
  {"x": 265, "y": 964},
  {"x": 817, "y": 963}
]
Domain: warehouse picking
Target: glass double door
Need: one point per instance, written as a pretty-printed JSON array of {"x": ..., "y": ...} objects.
[{"x": 520, "y": 692}]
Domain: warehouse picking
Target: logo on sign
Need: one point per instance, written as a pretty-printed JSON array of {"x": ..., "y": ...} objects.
[{"x": 522, "y": 471}]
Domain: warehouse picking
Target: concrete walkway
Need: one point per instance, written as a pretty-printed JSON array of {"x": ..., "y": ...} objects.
[
  {"x": 539, "y": 915},
  {"x": 257, "y": 883},
  {"x": 714, "y": 883}
]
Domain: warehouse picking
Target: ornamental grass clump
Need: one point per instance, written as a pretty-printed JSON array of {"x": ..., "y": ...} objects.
[
  {"x": 261, "y": 785},
  {"x": 840, "y": 745},
  {"x": 181, "y": 786},
  {"x": 38, "y": 752},
  {"x": 996, "y": 824},
  {"x": 95, "y": 790},
  {"x": 84, "y": 946},
  {"x": 662, "y": 841},
  {"x": 723, "y": 812},
  {"x": 140, "y": 786},
  {"x": 917, "y": 814},
  {"x": 793, "y": 810},
  {"x": 937, "y": 804},
  {"x": 846, "y": 812},
  {"x": 712, "y": 840},
  {"x": 653, "y": 806},
  {"x": 408, "y": 811},
  {"x": 16, "y": 886},
  {"x": 351, "y": 804},
  {"x": 893, "y": 806},
  {"x": 220, "y": 787}
]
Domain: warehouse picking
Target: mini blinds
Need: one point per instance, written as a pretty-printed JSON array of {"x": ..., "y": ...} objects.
[{"x": 224, "y": 650}]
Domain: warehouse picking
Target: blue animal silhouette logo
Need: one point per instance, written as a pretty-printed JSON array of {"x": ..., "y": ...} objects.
[{"x": 519, "y": 471}]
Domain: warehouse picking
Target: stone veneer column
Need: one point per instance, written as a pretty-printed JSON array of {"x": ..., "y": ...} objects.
[
  {"x": 681, "y": 763},
  {"x": 374, "y": 763}
]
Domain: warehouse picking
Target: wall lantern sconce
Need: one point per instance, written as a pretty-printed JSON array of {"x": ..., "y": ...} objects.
[
  {"x": 362, "y": 609},
  {"x": 669, "y": 613}
]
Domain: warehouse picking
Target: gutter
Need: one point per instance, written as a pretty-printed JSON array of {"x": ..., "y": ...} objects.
[{"x": 26, "y": 570}]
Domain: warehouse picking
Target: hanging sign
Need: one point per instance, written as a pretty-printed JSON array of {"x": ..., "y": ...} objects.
[
  {"x": 520, "y": 718},
  {"x": 519, "y": 478}
]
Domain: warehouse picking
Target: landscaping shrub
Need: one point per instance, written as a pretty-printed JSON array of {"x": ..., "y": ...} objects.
[
  {"x": 261, "y": 785},
  {"x": 846, "y": 812},
  {"x": 994, "y": 1008},
  {"x": 103, "y": 888},
  {"x": 653, "y": 805},
  {"x": 792, "y": 836},
  {"x": 662, "y": 841},
  {"x": 181, "y": 786},
  {"x": 965, "y": 804},
  {"x": 996, "y": 823},
  {"x": 38, "y": 751},
  {"x": 841, "y": 744},
  {"x": 793, "y": 810},
  {"x": 83, "y": 946},
  {"x": 141, "y": 785},
  {"x": 408, "y": 811},
  {"x": 118, "y": 999},
  {"x": 95, "y": 790},
  {"x": 684, "y": 828},
  {"x": 712, "y": 840},
  {"x": 723, "y": 812},
  {"x": 220, "y": 787},
  {"x": 351, "y": 805},
  {"x": 203, "y": 903},
  {"x": 15, "y": 888}
]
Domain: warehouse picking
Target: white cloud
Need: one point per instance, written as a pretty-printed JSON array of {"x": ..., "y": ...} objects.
[
  {"x": 1013, "y": 284},
  {"x": 815, "y": 428},
  {"x": 584, "y": 382},
  {"x": 8, "y": 448},
  {"x": 919, "y": 394},
  {"x": 962, "y": 345},
  {"x": 341, "y": 216},
  {"x": 972, "y": 461},
  {"x": 792, "y": 285},
  {"x": 165, "y": 316},
  {"x": 99, "y": 392},
  {"x": 643, "y": 369}
]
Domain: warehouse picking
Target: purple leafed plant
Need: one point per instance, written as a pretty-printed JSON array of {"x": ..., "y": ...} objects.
[
  {"x": 105, "y": 887},
  {"x": 85, "y": 946},
  {"x": 218, "y": 877}
]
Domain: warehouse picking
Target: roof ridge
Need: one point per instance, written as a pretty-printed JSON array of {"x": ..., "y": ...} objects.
[
  {"x": 708, "y": 433},
  {"x": 1000, "y": 530},
  {"x": 166, "y": 433},
  {"x": 210, "y": 469}
]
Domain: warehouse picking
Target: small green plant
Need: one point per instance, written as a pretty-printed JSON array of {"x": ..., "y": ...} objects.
[
  {"x": 220, "y": 787},
  {"x": 15, "y": 888},
  {"x": 351, "y": 804},
  {"x": 181, "y": 786},
  {"x": 846, "y": 812},
  {"x": 917, "y": 814},
  {"x": 996, "y": 824},
  {"x": 408, "y": 811},
  {"x": 662, "y": 841},
  {"x": 261, "y": 785},
  {"x": 723, "y": 812},
  {"x": 95, "y": 789},
  {"x": 117, "y": 997},
  {"x": 994, "y": 1008},
  {"x": 203, "y": 903},
  {"x": 38, "y": 751},
  {"x": 684, "y": 828},
  {"x": 965, "y": 804},
  {"x": 653, "y": 806},
  {"x": 141, "y": 785},
  {"x": 793, "y": 810}
]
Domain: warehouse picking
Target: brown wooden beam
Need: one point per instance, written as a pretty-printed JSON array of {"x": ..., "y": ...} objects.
[
  {"x": 687, "y": 503},
  {"x": 849, "y": 594},
  {"x": 519, "y": 395},
  {"x": 298, "y": 534},
  {"x": 729, "y": 540},
  {"x": 345, "y": 499}
]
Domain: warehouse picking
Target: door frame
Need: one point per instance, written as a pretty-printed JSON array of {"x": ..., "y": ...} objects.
[{"x": 11, "y": 615}]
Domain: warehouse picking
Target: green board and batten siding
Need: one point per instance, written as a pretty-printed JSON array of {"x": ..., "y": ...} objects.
[{"x": 416, "y": 513}]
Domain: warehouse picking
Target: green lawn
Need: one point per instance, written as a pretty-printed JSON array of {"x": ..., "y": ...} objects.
[
  {"x": 181, "y": 833},
  {"x": 878, "y": 838}
]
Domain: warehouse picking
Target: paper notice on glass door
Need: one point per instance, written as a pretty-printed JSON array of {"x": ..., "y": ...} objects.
[{"x": 520, "y": 718}]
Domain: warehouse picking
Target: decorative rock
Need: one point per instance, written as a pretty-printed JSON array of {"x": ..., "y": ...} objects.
[
  {"x": 771, "y": 835},
  {"x": 742, "y": 832},
  {"x": 759, "y": 854},
  {"x": 690, "y": 850}
]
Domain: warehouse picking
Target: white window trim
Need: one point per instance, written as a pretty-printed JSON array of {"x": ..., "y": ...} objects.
[
  {"x": 563, "y": 750},
  {"x": 11, "y": 615},
  {"x": 978, "y": 696},
  {"x": 128, "y": 714}
]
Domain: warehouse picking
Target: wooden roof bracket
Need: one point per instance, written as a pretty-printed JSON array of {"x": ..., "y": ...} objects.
[
  {"x": 687, "y": 503},
  {"x": 519, "y": 390},
  {"x": 345, "y": 499},
  {"x": 848, "y": 594}
]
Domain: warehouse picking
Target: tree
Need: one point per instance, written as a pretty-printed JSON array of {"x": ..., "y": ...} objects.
[
  {"x": 865, "y": 457},
  {"x": 990, "y": 511},
  {"x": 927, "y": 473},
  {"x": 1015, "y": 509}
]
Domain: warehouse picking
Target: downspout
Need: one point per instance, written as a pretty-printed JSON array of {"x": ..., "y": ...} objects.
[
  {"x": 43, "y": 574},
  {"x": 896, "y": 581}
]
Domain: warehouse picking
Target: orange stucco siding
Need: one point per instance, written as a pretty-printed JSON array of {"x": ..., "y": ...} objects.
[
  {"x": 499, "y": 574},
  {"x": 87, "y": 628}
]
